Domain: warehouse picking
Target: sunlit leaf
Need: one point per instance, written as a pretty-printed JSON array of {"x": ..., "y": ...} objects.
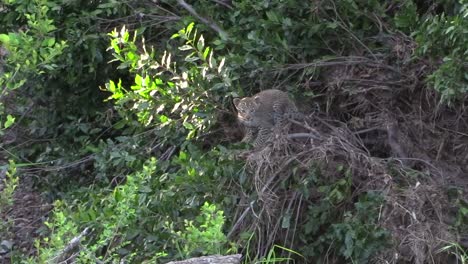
[
  {"x": 111, "y": 86},
  {"x": 221, "y": 64},
  {"x": 188, "y": 125},
  {"x": 206, "y": 52},
  {"x": 163, "y": 119},
  {"x": 186, "y": 47},
  {"x": 4, "y": 38},
  {"x": 286, "y": 221},
  {"x": 9, "y": 122},
  {"x": 201, "y": 43},
  {"x": 191, "y": 59},
  {"x": 138, "y": 80},
  {"x": 189, "y": 28}
]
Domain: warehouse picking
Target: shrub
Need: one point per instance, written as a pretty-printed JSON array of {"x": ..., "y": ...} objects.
[{"x": 443, "y": 39}]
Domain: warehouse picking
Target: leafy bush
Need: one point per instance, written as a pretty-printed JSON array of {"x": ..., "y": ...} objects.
[
  {"x": 133, "y": 215},
  {"x": 178, "y": 91},
  {"x": 34, "y": 51},
  {"x": 354, "y": 235},
  {"x": 359, "y": 237},
  {"x": 265, "y": 37},
  {"x": 443, "y": 39},
  {"x": 208, "y": 238},
  {"x": 8, "y": 186},
  {"x": 56, "y": 54}
]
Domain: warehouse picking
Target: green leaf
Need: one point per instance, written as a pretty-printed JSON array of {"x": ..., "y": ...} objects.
[
  {"x": 182, "y": 155},
  {"x": 115, "y": 45},
  {"x": 272, "y": 16},
  {"x": 332, "y": 25},
  {"x": 286, "y": 222},
  {"x": 188, "y": 125},
  {"x": 10, "y": 121},
  {"x": 217, "y": 86},
  {"x": 48, "y": 67},
  {"x": 138, "y": 80},
  {"x": 111, "y": 86},
  {"x": 49, "y": 42},
  {"x": 4, "y": 38},
  {"x": 221, "y": 64},
  {"x": 349, "y": 243},
  {"x": 118, "y": 195},
  {"x": 145, "y": 189},
  {"x": 163, "y": 119},
  {"x": 189, "y": 28},
  {"x": 464, "y": 211},
  {"x": 185, "y": 47},
  {"x": 201, "y": 43},
  {"x": 120, "y": 124},
  {"x": 191, "y": 59},
  {"x": 206, "y": 52}
]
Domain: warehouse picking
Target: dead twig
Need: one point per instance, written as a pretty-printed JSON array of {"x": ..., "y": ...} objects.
[
  {"x": 74, "y": 242},
  {"x": 303, "y": 135},
  {"x": 224, "y": 3}
]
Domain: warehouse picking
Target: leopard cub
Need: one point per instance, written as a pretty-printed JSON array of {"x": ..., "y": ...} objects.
[{"x": 263, "y": 111}]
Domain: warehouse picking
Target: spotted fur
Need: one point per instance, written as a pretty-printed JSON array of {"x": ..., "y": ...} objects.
[{"x": 263, "y": 111}]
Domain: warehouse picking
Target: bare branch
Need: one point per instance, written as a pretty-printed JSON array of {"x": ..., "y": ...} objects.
[
  {"x": 74, "y": 242},
  {"x": 223, "y": 3}
]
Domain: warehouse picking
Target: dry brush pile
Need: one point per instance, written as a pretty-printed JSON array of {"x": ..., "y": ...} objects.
[{"x": 381, "y": 127}]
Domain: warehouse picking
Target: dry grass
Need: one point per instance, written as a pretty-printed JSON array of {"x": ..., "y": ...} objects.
[{"x": 379, "y": 121}]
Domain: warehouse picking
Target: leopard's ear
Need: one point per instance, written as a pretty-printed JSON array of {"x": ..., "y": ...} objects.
[
  {"x": 236, "y": 102},
  {"x": 257, "y": 100}
]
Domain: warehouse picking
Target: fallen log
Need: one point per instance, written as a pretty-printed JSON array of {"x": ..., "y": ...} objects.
[{"x": 214, "y": 259}]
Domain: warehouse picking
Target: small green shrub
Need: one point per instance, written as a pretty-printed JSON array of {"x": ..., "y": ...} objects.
[
  {"x": 407, "y": 17},
  {"x": 55, "y": 51},
  {"x": 34, "y": 51},
  {"x": 9, "y": 184},
  {"x": 354, "y": 235},
  {"x": 128, "y": 221},
  {"x": 62, "y": 231},
  {"x": 204, "y": 237},
  {"x": 358, "y": 237},
  {"x": 443, "y": 38},
  {"x": 31, "y": 52}
]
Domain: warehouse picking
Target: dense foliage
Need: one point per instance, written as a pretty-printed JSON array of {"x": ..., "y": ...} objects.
[{"x": 118, "y": 112}]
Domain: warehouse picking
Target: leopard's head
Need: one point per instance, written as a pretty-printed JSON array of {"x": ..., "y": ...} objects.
[{"x": 246, "y": 107}]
